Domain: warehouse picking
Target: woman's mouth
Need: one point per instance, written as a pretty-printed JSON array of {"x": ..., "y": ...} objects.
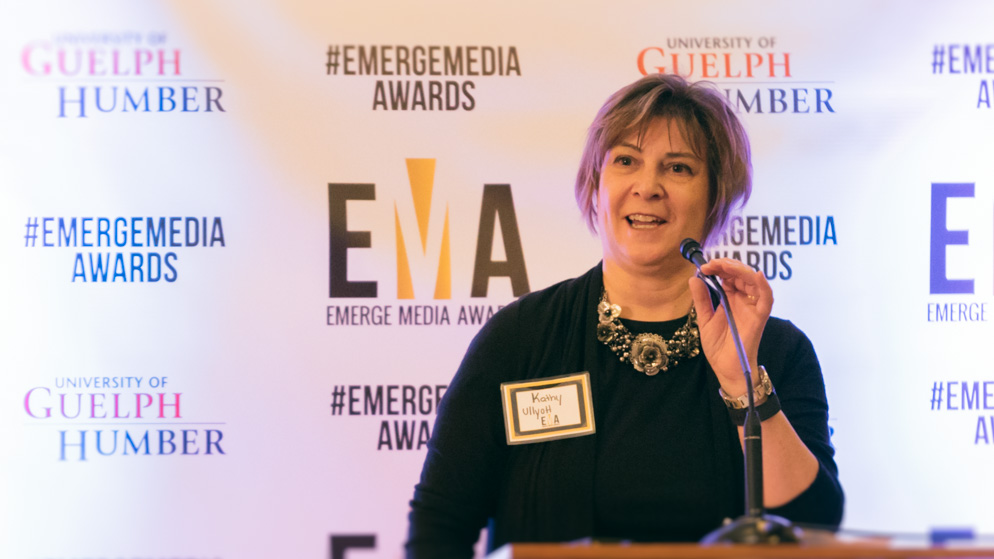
[{"x": 643, "y": 221}]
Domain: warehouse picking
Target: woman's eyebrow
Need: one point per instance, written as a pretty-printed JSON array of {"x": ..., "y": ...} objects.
[
  {"x": 685, "y": 154},
  {"x": 629, "y": 145},
  {"x": 682, "y": 154}
]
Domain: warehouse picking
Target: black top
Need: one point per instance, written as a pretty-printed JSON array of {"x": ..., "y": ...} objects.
[
  {"x": 665, "y": 463},
  {"x": 658, "y": 422}
]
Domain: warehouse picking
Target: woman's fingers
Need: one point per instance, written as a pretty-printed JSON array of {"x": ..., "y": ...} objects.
[
  {"x": 702, "y": 300},
  {"x": 741, "y": 281}
]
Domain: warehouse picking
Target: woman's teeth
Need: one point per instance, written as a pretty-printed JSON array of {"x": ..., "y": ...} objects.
[{"x": 643, "y": 221}]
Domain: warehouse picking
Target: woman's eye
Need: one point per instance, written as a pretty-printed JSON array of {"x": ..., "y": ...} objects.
[
  {"x": 681, "y": 168},
  {"x": 624, "y": 160}
]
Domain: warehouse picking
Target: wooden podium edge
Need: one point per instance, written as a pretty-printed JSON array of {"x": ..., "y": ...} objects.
[{"x": 835, "y": 550}]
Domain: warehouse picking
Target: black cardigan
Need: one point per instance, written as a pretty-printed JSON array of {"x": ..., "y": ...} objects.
[{"x": 544, "y": 491}]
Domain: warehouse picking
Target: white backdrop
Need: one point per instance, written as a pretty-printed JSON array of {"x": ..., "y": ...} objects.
[{"x": 240, "y": 116}]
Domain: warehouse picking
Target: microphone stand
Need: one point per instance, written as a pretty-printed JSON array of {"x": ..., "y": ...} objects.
[{"x": 754, "y": 527}]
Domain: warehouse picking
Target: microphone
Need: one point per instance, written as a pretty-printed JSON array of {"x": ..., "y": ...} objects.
[
  {"x": 754, "y": 526},
  {"x": 691, "y": 250}
]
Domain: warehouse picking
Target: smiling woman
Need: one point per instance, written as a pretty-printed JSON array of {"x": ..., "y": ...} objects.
[
  {"x": 708, "y": 129},
  {"x": 652, "y": 451},
  {"x": 653, "y": 193}
]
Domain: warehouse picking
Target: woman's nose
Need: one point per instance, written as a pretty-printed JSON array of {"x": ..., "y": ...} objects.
[{"x": 648, "y": 186}]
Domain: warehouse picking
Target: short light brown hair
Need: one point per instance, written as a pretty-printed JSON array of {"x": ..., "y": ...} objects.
[{"x": 708, "y": 124}]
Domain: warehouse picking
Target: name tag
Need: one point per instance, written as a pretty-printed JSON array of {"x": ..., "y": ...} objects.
[{"x": 547, "y": 409}]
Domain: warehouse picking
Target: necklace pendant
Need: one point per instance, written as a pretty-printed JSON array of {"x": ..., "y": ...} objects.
[
  {"x": 606, "y": 332},
  {"x": 648, "y": 353}
]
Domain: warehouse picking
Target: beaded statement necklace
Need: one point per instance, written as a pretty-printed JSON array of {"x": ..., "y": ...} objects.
[{"x": 648, "y": 353}]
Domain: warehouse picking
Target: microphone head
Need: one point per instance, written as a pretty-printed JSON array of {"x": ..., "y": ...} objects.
[{"x": 688, "y": 247}]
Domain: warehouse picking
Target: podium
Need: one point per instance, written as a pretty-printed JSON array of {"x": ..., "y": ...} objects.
[{"x": 820, "y": 550}]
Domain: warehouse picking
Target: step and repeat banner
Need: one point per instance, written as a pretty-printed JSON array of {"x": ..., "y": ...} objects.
[{"x": 245, "y": 245}]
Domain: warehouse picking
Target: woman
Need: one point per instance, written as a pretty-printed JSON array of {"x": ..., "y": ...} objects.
[{"x": 664, "y": 161}]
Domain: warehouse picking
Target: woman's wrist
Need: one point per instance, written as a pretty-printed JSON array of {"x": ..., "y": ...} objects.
[
  {"x": 764, "y": 398},
  {"x": 736, "y": 396},
  {"x": 734, "y": 384}
]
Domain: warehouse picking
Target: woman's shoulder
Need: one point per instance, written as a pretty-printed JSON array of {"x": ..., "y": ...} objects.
[
  {"x": 534, "y": 310},
  {"x": 527, "y": 329},
  {"x": 540, "y": 317},
  {"x": 780, "y": 332},
  {"x": 785, "y": 347},
  {"x": 781, "y": 328}
]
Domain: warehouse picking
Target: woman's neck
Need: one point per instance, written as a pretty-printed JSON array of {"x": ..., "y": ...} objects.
[{"x": 649, "y": 295}]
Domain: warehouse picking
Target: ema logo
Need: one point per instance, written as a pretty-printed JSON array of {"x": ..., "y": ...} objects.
[
  {"x": 421, "y": 173},
  {"x": 338, "y": 544},
  {"x": 941, "y": 238},
  {"x": 738, "y": 61},
  {"x": 111, "y": 60},
  {"x": 496, "y": 208}
]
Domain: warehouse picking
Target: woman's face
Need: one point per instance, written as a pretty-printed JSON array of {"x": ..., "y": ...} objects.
[{"x": 651, "y": 197}]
